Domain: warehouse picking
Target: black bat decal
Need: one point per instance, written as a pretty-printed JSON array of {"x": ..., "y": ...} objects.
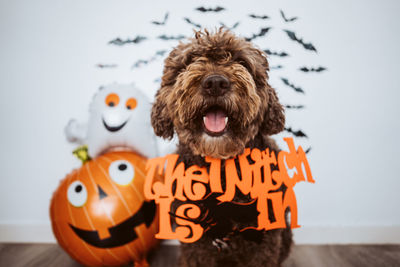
[
  {"x": 273, "y": 53},
  {"x": 298, "y": 133},
  {"x": 167, "y": 38},
  {"x": 230, "y": 28},
  {"x": 192, "y": 23},
  {"x": 287, "y": 19},
  {"x": 294, "y": 107},
  {"x": 120, "y": 42},
  {"x": 297, "y": 89},
  {"x": 262, "y": 33},
  {"x": 277, "y": 67},
  {"x": 161, "y": 22},
  {"x": 104, "y": 66},
  {"x": 161, "y": 52},
  {"x": 258, "y": 16},
  {"x": 216, "y": 9},
  {"x": 319, "y": 69},
  {"x": 307, "y": 46},
  {"x": 142, "y": 62}
]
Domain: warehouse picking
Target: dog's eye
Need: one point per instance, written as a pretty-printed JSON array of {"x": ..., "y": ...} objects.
[
  {"x": 244, "y": 64},
  {"x": 248, "y": 65},
  {"x": 112, "y": 100}
]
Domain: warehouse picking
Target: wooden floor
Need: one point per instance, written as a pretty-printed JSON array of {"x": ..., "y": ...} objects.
[{"x": 23, "y": 255}]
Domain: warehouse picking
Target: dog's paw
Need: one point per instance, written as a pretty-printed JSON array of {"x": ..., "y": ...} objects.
[{"x": 220, "y": 244}]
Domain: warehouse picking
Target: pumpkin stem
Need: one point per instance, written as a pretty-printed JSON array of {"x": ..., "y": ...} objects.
[{"x": 82, "y": 153}]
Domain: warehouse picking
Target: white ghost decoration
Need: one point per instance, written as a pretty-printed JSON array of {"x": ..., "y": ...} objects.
[{"x": 119, "y": 119}]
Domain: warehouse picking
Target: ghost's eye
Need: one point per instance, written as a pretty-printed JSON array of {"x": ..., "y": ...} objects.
[
  {"x": 77, "y": 194},
  {"x": 121, "y": 172},
  {"x": 112, "y": 100},
  {"x": 131, "y": 103}
]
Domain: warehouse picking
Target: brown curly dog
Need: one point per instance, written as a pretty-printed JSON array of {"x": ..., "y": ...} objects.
[{"x": 215, "y": 96}]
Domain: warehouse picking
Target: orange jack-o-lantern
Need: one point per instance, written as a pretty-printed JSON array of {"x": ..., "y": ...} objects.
[{"x": 99, "y": 214}]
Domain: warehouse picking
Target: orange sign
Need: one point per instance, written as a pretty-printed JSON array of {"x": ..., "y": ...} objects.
[{"x": 260, "y": 179}]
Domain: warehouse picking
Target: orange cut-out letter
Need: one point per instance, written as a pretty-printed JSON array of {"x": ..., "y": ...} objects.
[
  {"x": 165, "y": 222},
  {"x": 294, "y": 159},
  {"x": 173, "y": 174},
  {"x": 215, "y": 174},
  {"x": 289, "y": 201},
  {"x": 151, "y": 166},
  {"x": 195, "y": 191},
  {"x": 187, "y": 227}
]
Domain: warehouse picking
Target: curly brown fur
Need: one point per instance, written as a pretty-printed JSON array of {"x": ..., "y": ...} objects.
[{"x": 253, "y": 113}]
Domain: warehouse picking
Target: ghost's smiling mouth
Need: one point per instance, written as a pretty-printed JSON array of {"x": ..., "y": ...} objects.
[{"x": 115, "y": 128}]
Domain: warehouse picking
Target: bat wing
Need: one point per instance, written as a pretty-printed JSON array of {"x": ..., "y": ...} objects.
[
  {"x": 201, "y": 9},
  {"x": 191, "y": 22},
  {"x": 291, "y": 35},
  {"x": 298, "y": 133}
]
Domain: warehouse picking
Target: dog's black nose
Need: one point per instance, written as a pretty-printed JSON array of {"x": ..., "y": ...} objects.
[{"x": 215, "y": 85}]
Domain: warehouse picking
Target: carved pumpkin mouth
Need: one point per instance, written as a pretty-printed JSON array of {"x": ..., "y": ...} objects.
[{"x": 121, "y": 233}]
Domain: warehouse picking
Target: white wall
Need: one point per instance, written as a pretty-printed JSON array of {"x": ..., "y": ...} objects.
[{"x": 48, "y": 53}]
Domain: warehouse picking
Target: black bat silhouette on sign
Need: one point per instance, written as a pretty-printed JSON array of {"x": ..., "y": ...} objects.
[
  {"x": 161, "y": 22},
  {"x": 167, "y": 38},
  {"x": 307, "y": 46},
  {"x": 120, "y": 42},
  {"x": 298, "y": 133},
  {"x": 287, "y": 19},
  {"x": 294, "y": 107},
  {"x": 319, "y": 69},
  {"x": 262, "y": 32},
  {"x": 273, "y": 53},
  {"x": 103, "y": 66},
  {"x": 192, "y": 23},
  {"x": 297, "y": 89},
  {"x": 258, "y": 16},
  {"x": 218, "y": 217},
  {"x": 216, "y": 9},
  {"x": 230, "y": 28}
]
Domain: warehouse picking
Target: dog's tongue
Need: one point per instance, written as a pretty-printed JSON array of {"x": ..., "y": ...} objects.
[{"x": 215, "y": 121}]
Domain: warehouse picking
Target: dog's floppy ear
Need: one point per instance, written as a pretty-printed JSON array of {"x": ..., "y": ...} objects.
[
  {"x": 160, "y": 119},
  {"x": 176, "y": 61},
  {"x": 274, "y": 118}
]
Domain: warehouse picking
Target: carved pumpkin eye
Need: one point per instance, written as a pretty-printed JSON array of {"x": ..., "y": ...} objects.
[
  {"x": 77, "y": 194},
  {"x": 121, "y": 172},
  {"x": 131, "y": 103},
  {"x": 112, "y": 100}
]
